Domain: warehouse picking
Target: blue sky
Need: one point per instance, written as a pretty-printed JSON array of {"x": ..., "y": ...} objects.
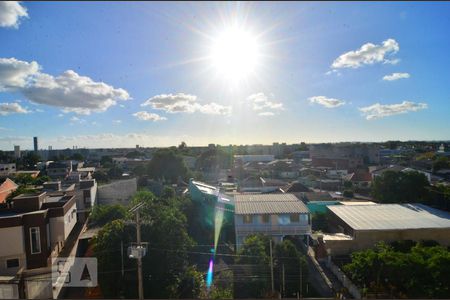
[{"x": 118, "y": 74}]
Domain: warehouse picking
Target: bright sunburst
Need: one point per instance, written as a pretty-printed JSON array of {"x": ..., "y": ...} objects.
[{"x": 235, "y": 54}]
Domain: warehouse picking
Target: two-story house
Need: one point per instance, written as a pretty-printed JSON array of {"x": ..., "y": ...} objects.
[
  {"x": 33, "y": 230},
  {"x": 276, "y": 215}
]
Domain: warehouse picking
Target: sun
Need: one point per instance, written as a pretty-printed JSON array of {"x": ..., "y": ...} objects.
[{"x": 235, "y": 54}]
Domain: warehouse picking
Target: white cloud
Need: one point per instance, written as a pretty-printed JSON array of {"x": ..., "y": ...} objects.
[
  {"x": 396, "y": 76},
  {"x": 12, "y": 108},
  {"x": 117, "y": 121},
  {"x": 74, "y": 120},
  {"x": 69, "y": 91},
  {"x": 266, "y": 114},
  {"x": 60, "y": 115},
  {"x": 368, "y": 54},
  {"x": 378, "y": 110},
  {"x": 10, "y": 13},
  {"x": 146, "y": 116},
  {"x": 15, "y": 73},
  {"x": 74, "y": 93},
  {"x": 260, "y": 102},
  {"x": 327, "y": 102},
  {"x": 185, "y": 103}
]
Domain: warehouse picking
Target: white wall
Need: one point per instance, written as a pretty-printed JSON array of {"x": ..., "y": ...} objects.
[
  {"x": 11, "y": 246},
  {"x": 11, "y": 241},
  {"x": 119, "y": 191},
  {"x": 60, "y": 227}
]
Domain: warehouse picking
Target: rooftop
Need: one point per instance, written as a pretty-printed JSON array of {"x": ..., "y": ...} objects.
[
  {"x": 391, "y": 216},
  {"x": 268, "y": 204}
]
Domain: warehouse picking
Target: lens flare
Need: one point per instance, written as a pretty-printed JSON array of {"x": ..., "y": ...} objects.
[
  {"x": 218, "y": 221},
  {"x": 209, "y": 276}
]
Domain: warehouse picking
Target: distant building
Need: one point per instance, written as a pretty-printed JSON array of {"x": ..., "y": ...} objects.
[
  {"x": 59, "y": 170},
  {"x": 275, "y": 215},
  {"x": 7, "y": 186},
  {"x": 254, "y": 158},
  {"x": 35, "y": 144},
  {"x": 16, "y": 151},
  {"x": 366, "y": 225},
  {"x": 7, "y": 169}
]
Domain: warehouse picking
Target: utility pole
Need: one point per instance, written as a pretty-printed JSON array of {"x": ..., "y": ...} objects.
[
  {"x": 271, "y": 267},
  {"x": 301, "y": 281},
  {"x": 138, "y": 251},
  {"x": 121, "y": 257},
  {"x": 284, "y": 283},
  {"x": 139, "y": 259}
]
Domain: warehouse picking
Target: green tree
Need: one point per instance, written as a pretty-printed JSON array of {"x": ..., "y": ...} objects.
[
  {"x": 348, "y": 193},
  {"x": 108, "y": 253},
  {"x": 106, "y": 161},
  {"x": 115, "y": 172},
  {"x": 103, "y": 214},
  {"x": 252, "y": 266},
  {"x": 440, "y": 163},
  {"x": 30, "y": 160},
  {"x": 384, "y": 268},
  {"x": 77, "y": 157},
  {"x": 214, "y": 158},
  {"x": 134, "y": 154},
  {"x": 400, "y": 187},
  {"x": 190, "y": 284},
  {"x": 139, "y": 170},
  {"x": 289, "y": 260},
  {"x": 168, "y": 165},
  {"x": 100, "y": 176}
]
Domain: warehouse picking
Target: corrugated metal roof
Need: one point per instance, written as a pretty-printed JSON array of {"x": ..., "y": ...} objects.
[
  {"x": 268, "y": 204},
  {"x": 391, "y": 216}
]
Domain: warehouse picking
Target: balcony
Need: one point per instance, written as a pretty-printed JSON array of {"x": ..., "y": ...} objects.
[{"x": 297, "y": 229}]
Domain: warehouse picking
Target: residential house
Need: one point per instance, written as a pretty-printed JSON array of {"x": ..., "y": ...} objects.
[
  {"x": 7, "y": 169},
  {"x": 365, "y": 225},
  {"x": 275, "y": 215},
  {"x": 59, "y": 170},
  {"x": 7, "y": 186},
  {"x": 36, "y": 227}
]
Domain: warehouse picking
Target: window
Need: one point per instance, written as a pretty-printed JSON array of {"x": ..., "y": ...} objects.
[
  {"x": 248, "y": 219},
  {"x": 284, "y": 219},
  {"x": 48, "y": 236},
  {"x": 12, "y": 263},
  {"x": 294, "y": 218},
  {"x": 35, "y": 239},
  {"x": 265, "y": 218}
]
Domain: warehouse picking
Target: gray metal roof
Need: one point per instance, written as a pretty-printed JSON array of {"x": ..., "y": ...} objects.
[
  {"x": 391, "y": 216},
  {"x": 268, "y": 204}
]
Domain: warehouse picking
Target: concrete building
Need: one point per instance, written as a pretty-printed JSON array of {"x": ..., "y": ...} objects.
[
  {"x": 257, "y": 158},
  {"x": 35, "y": 144},
  {"x": 276, "y": 215},
  {"x": 36, "y": 227},
  {"x": 118, "y": 191},
  {"x": 362, "y": 226},
  {"x": 7, "y": 169},
  {"x": 16, "y": 151},
  {"x": 59, "y": 170},
  {"x": 7, "y": 186}
]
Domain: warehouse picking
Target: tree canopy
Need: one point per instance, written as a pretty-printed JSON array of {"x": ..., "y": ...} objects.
[
  {"x": 410, "y": 271},
  {"x": 400, "y": 187},
  {"x": 168, "y": 165}
]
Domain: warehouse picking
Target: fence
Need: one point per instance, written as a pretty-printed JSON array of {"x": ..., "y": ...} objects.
[{"x": 346, "y": 282}]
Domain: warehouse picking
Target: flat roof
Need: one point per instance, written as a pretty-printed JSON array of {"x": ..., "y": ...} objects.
[
  {"x": 357, "y": 203},
  {"x": 391, "y": 216},
  {"x": 247, "y": 204}
]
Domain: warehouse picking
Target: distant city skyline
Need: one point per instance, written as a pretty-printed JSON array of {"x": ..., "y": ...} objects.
[{"x": 113, "y": 75}]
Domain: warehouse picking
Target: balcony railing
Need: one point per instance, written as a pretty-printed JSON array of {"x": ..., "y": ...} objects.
[{"x": 274, "y": 229}]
